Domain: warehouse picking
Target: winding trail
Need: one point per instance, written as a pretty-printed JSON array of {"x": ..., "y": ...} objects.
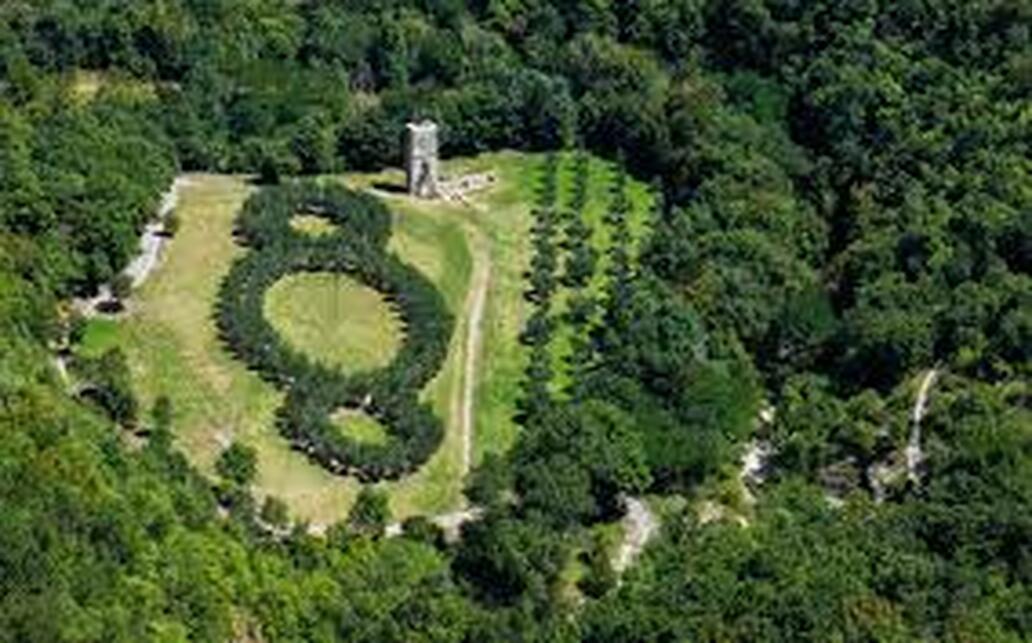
[
  {"x": 639, "y": 525},
  {"x": 464, "y": 402},
  {"x": 914, "y": 453},
  {"x": 154, "y": 237}
]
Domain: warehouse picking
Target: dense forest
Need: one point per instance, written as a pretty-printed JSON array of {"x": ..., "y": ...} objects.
[{"x": 845, "y": 204}]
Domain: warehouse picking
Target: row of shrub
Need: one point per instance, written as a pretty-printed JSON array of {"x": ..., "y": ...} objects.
[
  {"x": 357, "y": 247},
  {"x": 581, "y": 258},
  {"x": 578, "y": 271},
  {"x": 544, "y": 264}
]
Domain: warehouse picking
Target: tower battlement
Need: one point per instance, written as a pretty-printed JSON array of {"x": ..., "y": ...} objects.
[{"x": 421, "y": 162}]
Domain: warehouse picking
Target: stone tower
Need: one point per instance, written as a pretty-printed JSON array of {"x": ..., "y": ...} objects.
[{"x": 421, "y": 159}]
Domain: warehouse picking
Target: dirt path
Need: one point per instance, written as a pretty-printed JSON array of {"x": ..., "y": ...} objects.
[
  {"x": 639, "y": 525},
  {"x": 913, "y": 451},
  {"x": 474, "y": 341},
  {"x": 464, "y": 403},
  {"x": 154, "y": 237}
]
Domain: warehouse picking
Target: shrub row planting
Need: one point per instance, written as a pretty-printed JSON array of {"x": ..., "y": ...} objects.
[
  {"x": 357, "y": 247},
  {"x": 544, "y": 264}
]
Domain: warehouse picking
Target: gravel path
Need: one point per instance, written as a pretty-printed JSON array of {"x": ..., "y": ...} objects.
[
  {"x": 913, "y": 451},
  {"x": 639, "y": 525},
  {"x": 154, "y": 237}
]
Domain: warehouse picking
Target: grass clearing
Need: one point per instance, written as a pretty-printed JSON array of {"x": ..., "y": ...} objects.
[
  {"x": 100, "y": 336},
  {"x": 173, "y": 346},
  {"x": 335, "y": 320},
  {"x": 312, "y": 224},
  {"x": 359, "y": 426},
  {"x": 83, "y": 86}
]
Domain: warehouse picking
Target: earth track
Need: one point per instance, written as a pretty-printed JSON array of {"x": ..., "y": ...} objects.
[{"x": 463, "y": 403}]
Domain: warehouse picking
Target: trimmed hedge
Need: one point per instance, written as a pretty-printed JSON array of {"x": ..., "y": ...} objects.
[{"x": 357, "y": 248}]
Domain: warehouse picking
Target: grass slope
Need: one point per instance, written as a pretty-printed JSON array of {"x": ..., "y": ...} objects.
[{"x": 173, "y": 348}]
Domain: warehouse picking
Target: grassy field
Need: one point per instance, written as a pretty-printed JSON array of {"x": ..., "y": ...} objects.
[
  {"x": 359, "y": 426},
  {"x": 334, "y": 318},
  {"x": 311, "y": 224},
  {"x": 173, "y": 348}
]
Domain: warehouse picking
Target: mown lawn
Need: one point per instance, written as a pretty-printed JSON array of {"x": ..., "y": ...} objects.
[
  {"x": 335, "y": 319},
  {"x": 174, "y": 349}
]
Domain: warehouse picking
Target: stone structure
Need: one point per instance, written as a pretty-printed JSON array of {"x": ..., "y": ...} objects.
[{"x": 421, "y": 159}]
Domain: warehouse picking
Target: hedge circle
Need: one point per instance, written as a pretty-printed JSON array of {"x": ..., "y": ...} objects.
[{"x": 357, "y": 247}]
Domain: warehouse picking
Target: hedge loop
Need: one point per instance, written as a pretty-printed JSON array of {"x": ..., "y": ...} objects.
[{"x": 357, "y": 247}]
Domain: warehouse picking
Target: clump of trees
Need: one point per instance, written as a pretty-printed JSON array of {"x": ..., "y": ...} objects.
[
  {"x": 357, "y": 247},
  {"x": 106, "y": 383}
]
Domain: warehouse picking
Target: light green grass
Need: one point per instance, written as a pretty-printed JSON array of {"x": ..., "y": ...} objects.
[
  {"x": 311, "y": 224},
  {"x": 335, "y": 320},
  {"x": 100, "y": 336},
  {"x": 602, "y": 175},
  {"x": 84, "y": 85},
  {"x": 359, "y": 426}
]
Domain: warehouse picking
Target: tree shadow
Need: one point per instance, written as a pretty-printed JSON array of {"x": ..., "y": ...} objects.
[{"x": 391, "y": 188}]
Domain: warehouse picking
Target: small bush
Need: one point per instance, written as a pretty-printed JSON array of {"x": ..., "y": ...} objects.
[
  {"x": 121, "y": 286},
  {"x": 238, "y": 464}
]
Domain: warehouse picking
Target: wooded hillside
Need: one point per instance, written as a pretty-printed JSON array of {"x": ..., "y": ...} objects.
[{"x": 844, "y": 203}]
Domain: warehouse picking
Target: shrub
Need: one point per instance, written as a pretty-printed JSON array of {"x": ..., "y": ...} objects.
[
  {"x": 121, "y": 286},
  {"x": 238, "y": 464},
  {"x": 390, "y": 394},
  {"x": 370, "y": 513}
]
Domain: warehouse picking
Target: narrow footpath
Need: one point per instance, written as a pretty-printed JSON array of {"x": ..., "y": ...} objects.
[
  {"x": 914, "y": 453},
  {"x": 464, "y": 401},
  {"x": 639, "y": 526}
]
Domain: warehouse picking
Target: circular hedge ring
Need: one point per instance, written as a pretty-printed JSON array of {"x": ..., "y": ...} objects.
[{"x": 356, "y": 247}]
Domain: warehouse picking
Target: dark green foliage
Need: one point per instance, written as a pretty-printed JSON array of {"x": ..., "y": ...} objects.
[
  {"x": 171, "y": 224},
  {"x": 121, "y": 286},
  {"x": 600, "y": 576},
  {"x": 106, "y": 383},
  {"x": 845, "y": 204},
  {"x": 161, "y": 414},
  {"x": 370, "y": 514},
  {"x": 506, "y": 559},
  {"x": 275, "y": 512},
  {"x": 238, "y": 464},
  {"x": 491, "y": 482},
  {"x": 420, "y": 529}
]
